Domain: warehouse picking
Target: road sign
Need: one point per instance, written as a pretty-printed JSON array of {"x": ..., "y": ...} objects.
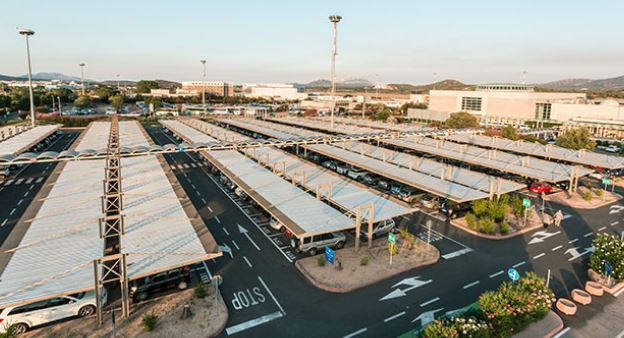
[
  {"x": 606, "y": 181},
  {"x": 608, "y": 268},
  {"x": 391, "y": 238},
  {"x": 180, "y": 149},
  {"x": 329, "y": 255},
  {"x": 513, "y": 274},
  {"x": 526, "y": 202}
]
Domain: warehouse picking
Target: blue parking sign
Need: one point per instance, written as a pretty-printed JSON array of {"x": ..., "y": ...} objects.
[
  {"x": 513, "y": 274},
  {"x": 329, "y": 255},
  {"x": 608, "y": 268}
]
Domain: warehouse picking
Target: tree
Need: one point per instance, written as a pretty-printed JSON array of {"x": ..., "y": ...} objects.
[
  {"x": 144, "y": 86},
  {"x": 462, "y": 120},
  {"x": 116, "y": 102},
  {"x": 408, "y": 105},
  {"x": 382, "y": 115},
  {"x": 510, "y": 132},
  {"x": 83, "y": 101},
  {"x": 104, "y": 93},
  {"x": 576, "y": 139}
]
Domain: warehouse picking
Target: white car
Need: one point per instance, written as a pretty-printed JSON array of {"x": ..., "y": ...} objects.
[
  {"x": 24, "y": 317},
  {"x": 275, "y": 224},
  {"x": 613, "y": 149}
]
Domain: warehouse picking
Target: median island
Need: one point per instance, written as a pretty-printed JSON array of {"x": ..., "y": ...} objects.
[{"x": 353, "y": 270}]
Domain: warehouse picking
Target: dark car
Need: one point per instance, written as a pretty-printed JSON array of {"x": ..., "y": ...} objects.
[
  {"x": 453, "y": 210},
  {"x": 177, "y": 278}
]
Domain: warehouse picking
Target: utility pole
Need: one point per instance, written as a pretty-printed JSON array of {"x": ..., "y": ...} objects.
[
  {"x": 204, "y": 89},
  {"x": 435, "y": 79},
  {"x": 53, "y": 103},
  {"x": 334, "y": 19},
  {"x": 26, "y": 33},
  {"x": 59, "y": 106},
  {"x": 118, "y": 88},
  {"x": 82, "y": 77}
]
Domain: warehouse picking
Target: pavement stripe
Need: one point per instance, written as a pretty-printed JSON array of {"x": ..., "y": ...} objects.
[
  {"x": 619, "y": 292},
  {"x": 456, "y": 253},
  {"x": 572, "y": 241},
  {"x": 225, "y": 230},
  {"x": 248, "y": 262},
  {"x": 355, "y": 333},
  {"x": 4, "y": 222},
  {"x": 430, "y": 302},
  {"x": 235, "y": 244},
  {"x": 600, "y": 229},
  {"x": 217, "y": 219},
  {"x": 497, "y": 274},
  {"x": 9, "y": 182},
  {"x": 29, "y": 180},
  {"x": 39, "y": 180},
  {"x": 203, "y": 200},
  {"x": 193, "y": 165},
  {"x": 615, "y": 223},
  {"x": 588, "y": 234},
  {"x": 394, "y": 317},
  {"x": 620, "y": 335},
  {"x": 519, "y": 264},
  {"x": 253, "y": 323},
  {"x": 467, "y": 286},
  {"x": 556, "y": 248},
  {"x": 540, "y": 255},
  {"x": 19, "y": 181},
  {"x": 561, "y": 333},
  {"x": 271, "y": 294},
  {"x": 12, "y": 212}
]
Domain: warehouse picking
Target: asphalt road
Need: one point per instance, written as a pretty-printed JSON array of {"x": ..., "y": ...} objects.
[
  {"x": 18, "y": 190},
  {"x": 291, "y": 306}
]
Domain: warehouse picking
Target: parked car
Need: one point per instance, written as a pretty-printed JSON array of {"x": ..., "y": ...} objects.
[
  {"x": 315, "y": 244},
  {"x": 314, "y": 157},
  {"x": 540, "y": 188},
  {"x": 597, "y": 175},
  {"x": 613, "y": 149},
  {"x": 177, "y": 278},
  {"x": 331, "y": 165},
  {"x": 275, "y": 224},
  {"x": 379, "y": 228},
  {"x": 23, "y": 317},
  {"x": 371, "y": 179},
  {"x": 5, "y": 171},
  {"x": 357, "y": 174},
  {"x": 453, "y": 210},
  {"x": 429, "y": 201},
  {"x": 342, "y": 169},
  {"x": 383, "y": 184}
]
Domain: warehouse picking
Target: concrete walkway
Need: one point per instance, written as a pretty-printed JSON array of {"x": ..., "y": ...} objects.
[{"x": 603, "y": 318}]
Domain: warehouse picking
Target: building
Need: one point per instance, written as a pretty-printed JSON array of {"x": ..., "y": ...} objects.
[
  {"x": 278, "y": 91},
  {"x": 212, "y": 87},
  {"x": 159, "y": 92}
]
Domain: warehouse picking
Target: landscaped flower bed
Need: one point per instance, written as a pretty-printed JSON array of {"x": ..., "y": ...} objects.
[
  {"x": 500, "y": 215},
  {"x": 608, "y": 248}
]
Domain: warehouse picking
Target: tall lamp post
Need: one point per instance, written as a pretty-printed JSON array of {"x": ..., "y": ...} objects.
[
  {"x": 26, "y": 33},
  {"x": 82, "y": 77},
  {"x": 204, "y": 89},
  {"x": 334, "y": 19},
  {"x": 118, "y": 88}
]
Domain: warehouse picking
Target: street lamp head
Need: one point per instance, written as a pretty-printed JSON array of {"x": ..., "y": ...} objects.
[
  {"x": 81, "y": 65},
  {"x": 25, "y": 31},
  {"x": 202, "y": 61},
  {"x": 335, "y": 18}
]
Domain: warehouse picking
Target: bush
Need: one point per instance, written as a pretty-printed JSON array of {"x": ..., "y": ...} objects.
[
  {"x": 459, "y": 327},
  {"x": 504, "y": 227},
  {"x": 608, "y": 248},
  {"x": 598, "y": 192},
  {"x": 408, "y": 238},
  {"x": 515, "y": 305},
  {"x": 364, "y": 260},
  {"x": 9, "y": 332},
  {"x": 486, "y": 225},
  {"x": 393, "y": 248},
  {"x": 587, "y": 196},
  {"x": 480, "y": 207},
  {"x": 320, "y": 260},
  {"x": 497, "y": 207},
  {"x": 149, "y": 322},
  {"x": 516, "y": 206},
  {"x": 471, "y": 221},
  {"x": 200, "y": 290}
]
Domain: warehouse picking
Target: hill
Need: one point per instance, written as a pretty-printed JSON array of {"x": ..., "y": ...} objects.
[
  {"x": 442, "y": 85},
  {"x": 614, "y": 83},
  {"x": 324, "y": 83}
]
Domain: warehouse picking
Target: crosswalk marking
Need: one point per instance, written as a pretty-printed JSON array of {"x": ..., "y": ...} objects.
[
  {"x": 39, "y": 180},
  {"x": 9, "y": 182},
  {"x": 193, "y": 165},
  {"x": 186, "y": 166},
  {"x": 19, "y": 181},
  {"x": 29, "y": 180}
]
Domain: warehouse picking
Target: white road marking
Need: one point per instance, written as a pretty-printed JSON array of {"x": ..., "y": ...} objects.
[
  {"x": 430, "y": 302},
  {"x": 601, "y": 229},
  {"x": 235, "y": 244},
  {"x": 246, "y": 234},
  {"x": 620, "y": 335},
  {"x": 540, "y": 255},
  {"x": 271, "y": 294},
  {"x": 355, "y": 333},
  {"x": 186, "y": 166},
  {"x": 32, "y": 186},
  {"x": 519, "y": 264},
  {"x": 252, "y": 323},
  {"x": 26, "y": 193},
  {"x": 9, "y": 182},
  {"x": 588, "y": 234},
  {"x": 572, "y": 241},
  {"x": 197, "y": 192},
  {"x": 556, "y": 248},
  {"x": 394, "y": 317},
  {"x": 561, "y": 333},
  {"x": 248, "y": 262},
  {"x": 209, "y": 209},
  {"x": 619, "y": 292},
  {"x": 20, "y": 201},
  {"x": 469, "y": 285},
  {"x": 12, "y": 212},
  {"x": 29, "y": 180},
  {"x": 456, "y": 253},
  {"x": 615, "y": 223},
  {"x": 225, "y": 230},
  {"x": 19, "y": 181},
  {"x": 203, "y": 200},
  {"x": 193, "y": 186},
  {"x": 4, "y": 222},
  {"x": 497, "y": 274},
  {"x": 193, "y": 165},
  {"x": 39, "y": 180},
  {"x": 217, "y": 219}
]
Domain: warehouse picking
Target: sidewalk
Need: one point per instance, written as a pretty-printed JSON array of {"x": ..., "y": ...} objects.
[{"x": 603, "y": 318}]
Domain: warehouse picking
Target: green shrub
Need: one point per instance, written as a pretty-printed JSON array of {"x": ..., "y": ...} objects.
[
  {"x": 9, "y": 332},
  {"x": 608, "y": 248},
  {"x": 393, "y": 248},
  {"x": 497, "y": 208},
  {"x": 364, "y": 260},
  {"x": 408, "y": 238},
  {"x": 459, "y": 327},
  {"x": 504, "y": 227},
  {"x": 320, "y": 260},
  {"x": 486, "y": 225},
  {"x": 471, "y": 221},
  {"x": 200, "y": 290},
  {"x": 480, "y": 207},
  {"x": 515, "y": 305},
  {"x": 516, "y": 206},
  {"x": 587, "y": 196},
  {"x": 598, "y": 192},
  {"x": 149, "y": 322}
]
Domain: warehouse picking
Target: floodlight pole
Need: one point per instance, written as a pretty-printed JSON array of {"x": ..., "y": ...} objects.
[
  {"x": 334, "y": 19},
  {"x": 26, "y": 33},
  {"x": 204, "y": 89},
  {"x": 82, "y": 78}
]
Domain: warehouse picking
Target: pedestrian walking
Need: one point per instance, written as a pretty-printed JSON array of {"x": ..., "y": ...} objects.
[{"x": 558, "y": 218}]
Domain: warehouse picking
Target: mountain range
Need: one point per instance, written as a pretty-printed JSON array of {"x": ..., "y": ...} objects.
[
  {"x": 614, "y": 83},
  {"x": 324, "y": 83}
]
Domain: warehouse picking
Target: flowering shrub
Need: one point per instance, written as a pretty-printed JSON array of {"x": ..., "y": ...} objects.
[
  {"x": 608, "y": 248},
  {"x": 458, "y": 327},
  {"x": 515, "y": 305}
]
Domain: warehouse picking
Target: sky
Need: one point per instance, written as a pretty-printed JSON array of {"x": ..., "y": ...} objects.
[{"x": 387, "y": 41}]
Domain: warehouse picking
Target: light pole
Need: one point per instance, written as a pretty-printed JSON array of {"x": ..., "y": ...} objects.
[
  {"x": 204, "y": 89},
  {"x": 334, "y": 19},
  {"x": 59, "y": 106},
  {"x": 27, "y": 32},
  {"x": 118, "y": 88},
  {"x": 82, "y": 77}
]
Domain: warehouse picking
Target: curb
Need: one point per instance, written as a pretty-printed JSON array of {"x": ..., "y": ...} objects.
[
  {"x": 332, "y": 289},
  {"x": 227, "y": 317},
  {"x": 556, "y": 330},
  {"x": 599, "y": 205}
]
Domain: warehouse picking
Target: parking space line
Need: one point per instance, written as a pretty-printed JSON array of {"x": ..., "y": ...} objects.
[
  {"x": 235, "y": 244},
  {"x": 4, "y": 222},
  {"x": 572, "y": 241},
  {"x": 26, "y": 193},
  {"x": 252, "y": 323},
  {"x": 561, "y": 333},
  {"x": 203, "y": 200},
  {"x": 209, "y": 209},
  {"x": 430, "y": 302},
  {"x": 497, "y": 274},
  {"x": 615, "y": 223},
  {"x": 600, "y": 229},
  {"x": 225, "y": 230},
  {"x": 469, "y": 285},
  {"x": 394, "y": 316},
  {"x": 12, "y": 212},
  {"x": 271, "y": 294},
  {"x": 248, "y": 262},
  {"x": 540, "y": 255},
  {"x": 556, "y": 248},
  {"x": 519, "y": 264},
  {"x": 355, "y": 333},
  {"x": 20, "y": 202},
  {"x": 217, "y": 219},
  {"x": 588, "y": 234}
]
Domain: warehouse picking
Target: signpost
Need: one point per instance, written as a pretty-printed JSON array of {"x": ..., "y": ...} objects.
[
  {"x": 513, "y": 274},
  {"x": 608, "y": 270},
  {"x": 526, "y": 203},
  {"x": 429, "y": 224},
  {"x": 606, "y": 181},
  {"x": 329, "y": 255},
  {"x": 392, "y": 242}
]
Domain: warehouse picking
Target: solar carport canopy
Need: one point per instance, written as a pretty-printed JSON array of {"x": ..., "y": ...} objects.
[
  {"x": 548, "y": 151},
  {"x": 300, "y": 212},
  {"x": 216, "y": 131},
  {"x": 24, "y": 140},
  {"x": 189, "y": 133},
  {"x": 524, "y": 166}
]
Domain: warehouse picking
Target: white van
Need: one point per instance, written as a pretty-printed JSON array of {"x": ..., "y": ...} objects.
[
  {"x": 315, "y": 244},
  {"x": 379, "y": 228},
  {"x": 23, "y": 317}
]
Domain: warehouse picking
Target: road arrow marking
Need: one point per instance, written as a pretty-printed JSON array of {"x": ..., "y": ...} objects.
[
  {"x": 225, "y": 248},
  {"x": 427, "y": 317},
  {"x": 413, "y": 282},
  {"x": 614, "y": 209},
  {"x": 575, "y": 254},
  {"x": 246, "y": 234},
  {"x": 540, "y": 236}
]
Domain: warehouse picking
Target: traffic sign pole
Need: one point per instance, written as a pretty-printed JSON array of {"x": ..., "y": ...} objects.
[{"x": 392, "y": 242}]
